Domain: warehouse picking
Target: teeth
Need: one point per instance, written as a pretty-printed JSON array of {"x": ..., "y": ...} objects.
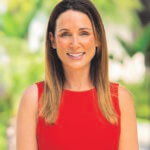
[{"x": 76, "y": 55}]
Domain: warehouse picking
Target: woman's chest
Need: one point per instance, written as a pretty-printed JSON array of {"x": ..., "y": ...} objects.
[{"x": 80, "y": 125}]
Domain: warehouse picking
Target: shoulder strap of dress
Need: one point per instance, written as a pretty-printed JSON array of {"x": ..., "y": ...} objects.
[
  {"x": 40, "y": 87},
  {"x": 115, "y": 96},
  {"x": 114, "y": 89}
]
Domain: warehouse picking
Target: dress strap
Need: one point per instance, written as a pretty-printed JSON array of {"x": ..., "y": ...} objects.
[
  {"x": 114, "y": 89},
  {"x": 115, "y": 96},
  {"x": 40, "y": 87}
]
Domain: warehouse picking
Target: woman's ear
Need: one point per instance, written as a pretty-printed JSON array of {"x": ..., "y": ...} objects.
[
  {"x": 98, "y": 44},
  {"x": 52, "y": 39}
]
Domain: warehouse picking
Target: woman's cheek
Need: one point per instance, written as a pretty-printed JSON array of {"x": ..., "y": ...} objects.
[
  {"x": 62, "y": 42},
  {"x": 89, "y": 40}
]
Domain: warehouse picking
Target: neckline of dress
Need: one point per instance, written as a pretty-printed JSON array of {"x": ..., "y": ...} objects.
[{"x": 80, "y": 92}]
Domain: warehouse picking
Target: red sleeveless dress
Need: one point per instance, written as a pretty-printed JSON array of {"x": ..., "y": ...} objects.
[{"x": 80, "y": 125}]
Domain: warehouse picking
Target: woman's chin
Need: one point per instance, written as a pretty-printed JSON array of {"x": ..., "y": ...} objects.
[{"x": 76, "y": 66}]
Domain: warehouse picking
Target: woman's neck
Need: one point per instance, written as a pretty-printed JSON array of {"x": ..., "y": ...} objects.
[{"x": 78, "y": 79}]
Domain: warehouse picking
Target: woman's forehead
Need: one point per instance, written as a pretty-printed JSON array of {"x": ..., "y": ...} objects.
[{"x": 72, "y": 18}]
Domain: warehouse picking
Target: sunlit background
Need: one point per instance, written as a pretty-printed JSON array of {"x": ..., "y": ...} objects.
[{"x": 22, "y": 33}]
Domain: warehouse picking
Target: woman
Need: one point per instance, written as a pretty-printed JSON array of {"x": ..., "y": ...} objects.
[{"x": 76, "y": 107}]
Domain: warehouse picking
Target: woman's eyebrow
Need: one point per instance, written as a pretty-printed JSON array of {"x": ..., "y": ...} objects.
[
  {"x": 65, "y": 29},
  {"x": 85, "y": 29}
]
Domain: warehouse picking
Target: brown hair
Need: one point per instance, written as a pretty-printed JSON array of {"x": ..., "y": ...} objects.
[{"x": 54, "y": 73}]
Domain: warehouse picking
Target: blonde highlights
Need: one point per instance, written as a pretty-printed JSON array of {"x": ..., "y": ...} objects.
[{"x": 54, "y": 73}]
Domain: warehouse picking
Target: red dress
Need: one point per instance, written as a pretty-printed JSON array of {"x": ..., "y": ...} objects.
[{"x": 80, "y": 125}]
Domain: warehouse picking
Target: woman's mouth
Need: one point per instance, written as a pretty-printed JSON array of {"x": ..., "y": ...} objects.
[{"x": 76, "y": 56}]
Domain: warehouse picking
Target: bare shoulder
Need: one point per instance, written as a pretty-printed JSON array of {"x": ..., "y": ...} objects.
[
  {"x": 27, "y": 119},
  {"x": 128, "y": 135},
  {"x": 125, "y": 98},
  {"x": 30, "y": 91},
  {"x": 29, "y": 102},
  {"x": 30, "y": 96}
]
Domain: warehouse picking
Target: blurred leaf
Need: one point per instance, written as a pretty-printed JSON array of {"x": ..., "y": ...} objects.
[
  {"x": 9, "y": 25},
  {"x": 119, "y": 11},
  {"x": 140, "y": 93},
  {"x": 143, "y": 41},
  {"x": 19, "y": 16},
  {"x": 141, "y": 44}
]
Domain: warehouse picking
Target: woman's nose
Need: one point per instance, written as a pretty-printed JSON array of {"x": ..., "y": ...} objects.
[{"x": 75, "y": 41}]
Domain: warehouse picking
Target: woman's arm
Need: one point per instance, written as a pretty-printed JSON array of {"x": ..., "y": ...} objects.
[
  {"x": 26, "y": 120},
  {"x": 128, "y": 136}
]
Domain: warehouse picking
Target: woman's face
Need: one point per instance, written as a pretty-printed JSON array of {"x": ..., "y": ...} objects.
[{"x": 74, "y": 40}]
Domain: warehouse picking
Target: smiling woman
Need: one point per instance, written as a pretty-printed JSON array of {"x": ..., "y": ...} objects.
[
  {"x": 74, "y": 41},
  {"x": 76, "y": 107}
]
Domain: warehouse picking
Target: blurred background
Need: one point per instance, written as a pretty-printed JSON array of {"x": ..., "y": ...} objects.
[{"x": 22, "y": 36}]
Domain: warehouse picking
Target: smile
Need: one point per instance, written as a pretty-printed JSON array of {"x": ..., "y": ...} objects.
[{"x": 76, "y": 55}]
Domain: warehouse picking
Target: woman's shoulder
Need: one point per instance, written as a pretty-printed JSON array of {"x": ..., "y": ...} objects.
[
  {"x": 29, "y": 98},
  {"x": 128, "y": 120},
  {"x": 126, "y": 101},
  {"x": 27, "y": 118},
  {"x": 123, "y": 95},
  {"x": 31, "y": 90}
]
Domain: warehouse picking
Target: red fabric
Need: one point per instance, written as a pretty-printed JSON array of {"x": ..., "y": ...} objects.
[{"x": 80, "y": 125}]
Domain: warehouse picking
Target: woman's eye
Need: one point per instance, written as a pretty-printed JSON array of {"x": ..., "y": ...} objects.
[
  {"x": 65, "y": 34},
  {"x": 84, "y": 33}
]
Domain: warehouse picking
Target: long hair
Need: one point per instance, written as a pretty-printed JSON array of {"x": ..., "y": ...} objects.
[{"x": 54, "y": 73}]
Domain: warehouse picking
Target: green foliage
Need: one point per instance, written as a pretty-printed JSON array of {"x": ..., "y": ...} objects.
[
  {"x": 5, "y": 112},
  {"x": 141, "y": 44},
  {"x": 22, "y": 69},
  {"x": 143, "y": 41},
  {"x": 119, "y": 11},
  {"x": 140, "y": 93},
  {"x": 16, "y": 20},
  {"x": 2, "y": 136}
]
